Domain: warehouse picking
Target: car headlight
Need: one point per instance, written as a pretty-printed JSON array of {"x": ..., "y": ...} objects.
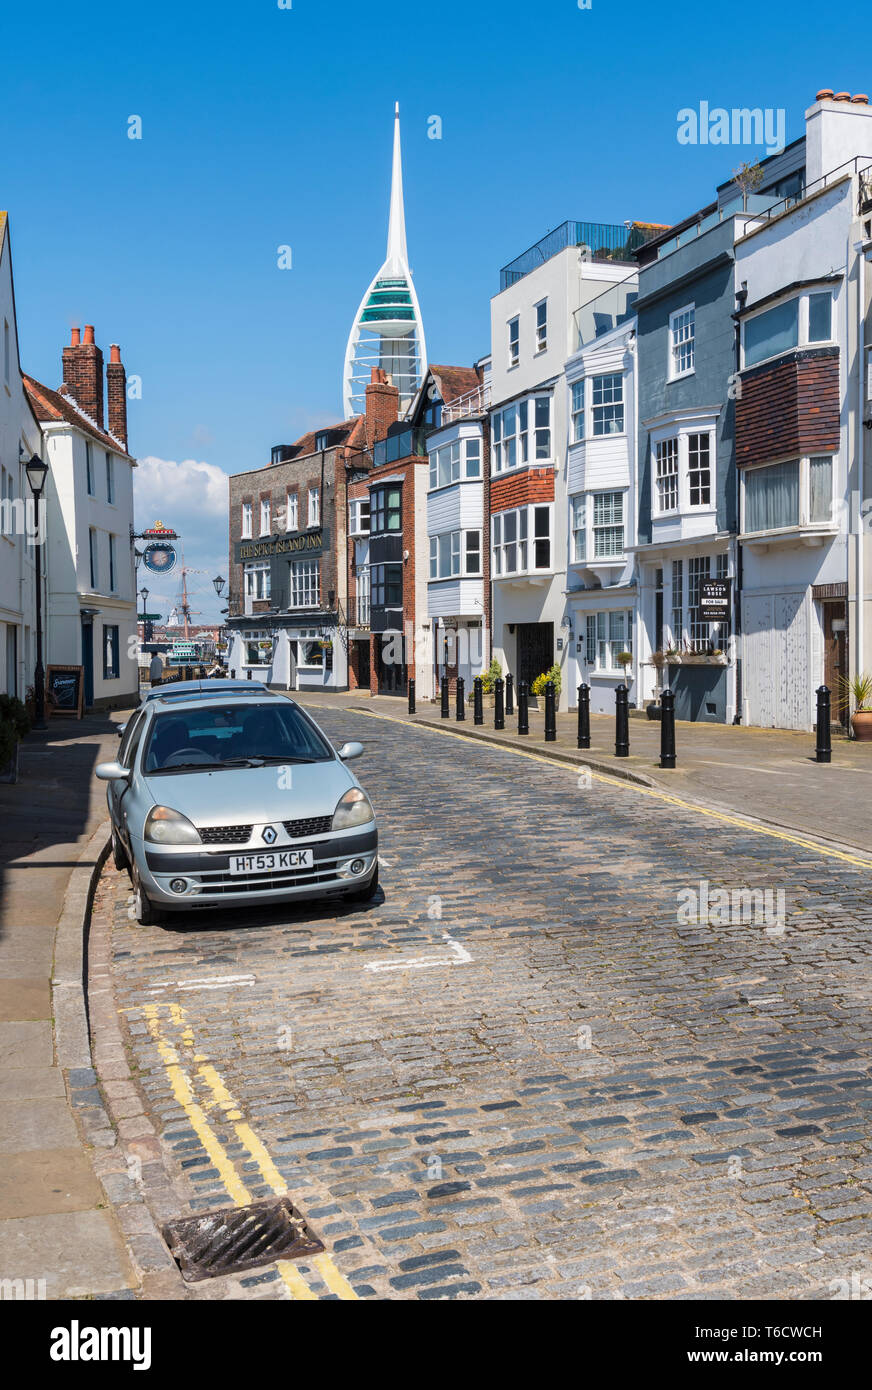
[
  {"x": 164, "y": 826},
  {"x": 354, "y": 808}
]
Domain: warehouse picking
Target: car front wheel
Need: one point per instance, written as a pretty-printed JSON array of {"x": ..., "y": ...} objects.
[{"x": 147, "y": 914}]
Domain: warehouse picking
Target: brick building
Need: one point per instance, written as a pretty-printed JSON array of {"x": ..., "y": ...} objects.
[{"x": 287, "y": 620}]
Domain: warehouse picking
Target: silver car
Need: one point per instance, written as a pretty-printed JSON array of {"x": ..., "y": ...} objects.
[{"x": 224, "y": 803}]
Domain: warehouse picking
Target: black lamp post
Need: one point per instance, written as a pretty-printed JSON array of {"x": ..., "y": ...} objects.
[
  {"x": 219, "y": 581},
  {"x": 37, "y": 471},
  {"x": 143, "y": 594}
]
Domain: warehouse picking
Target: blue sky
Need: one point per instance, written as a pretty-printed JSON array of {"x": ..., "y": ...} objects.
[{"x": 265, "y": 127}]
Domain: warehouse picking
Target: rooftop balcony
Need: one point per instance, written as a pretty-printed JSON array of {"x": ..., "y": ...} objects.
[
  {"x": 602, "y": 240},
  {"x": 614, "y": 306},
  {"x": 472, "y": 404}
]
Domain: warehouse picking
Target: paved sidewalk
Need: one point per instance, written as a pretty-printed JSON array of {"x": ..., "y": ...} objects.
[
  {"x": 770, "y": 774},
  {"x": 55, "y": 1223}
]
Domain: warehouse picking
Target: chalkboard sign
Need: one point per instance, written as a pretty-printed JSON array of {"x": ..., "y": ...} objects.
[{"x": 64, "y": 690}]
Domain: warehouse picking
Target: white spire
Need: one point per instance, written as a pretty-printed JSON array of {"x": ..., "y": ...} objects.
[{"x": 397, "y": 253}]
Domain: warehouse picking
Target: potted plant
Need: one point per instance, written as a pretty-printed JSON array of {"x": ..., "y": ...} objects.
[
  {"x": 14, "y": 724},
  {"x": 857, "y": 691},
  {"x": 539, "y": 684},
  {"x": 488, "y": 677},
  {"x": 625, "y": 659},
  {"x": 673, "y": 656}
]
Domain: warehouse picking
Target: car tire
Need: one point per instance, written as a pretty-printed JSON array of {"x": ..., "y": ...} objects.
[
  {"x": 363, "y": 895},
  {"x": 119, "y": 854},
  {"x": 145, "y": 911}
]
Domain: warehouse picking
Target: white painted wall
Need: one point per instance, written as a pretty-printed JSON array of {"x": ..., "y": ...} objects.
[{"x": 19, "y": 435}]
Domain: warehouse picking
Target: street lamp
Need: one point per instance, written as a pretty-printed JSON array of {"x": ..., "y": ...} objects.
[
  {"x": 37, "y": 471},
  {"x": 143, "y": 594},
  {"x": 219, "y": 581}
]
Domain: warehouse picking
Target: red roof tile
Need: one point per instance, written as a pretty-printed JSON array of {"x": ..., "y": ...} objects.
[{"x": 55, "y": 406}]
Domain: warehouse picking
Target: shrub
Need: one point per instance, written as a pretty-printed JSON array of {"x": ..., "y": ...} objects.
[
  {"x": 539, "y": 684},
  {"x": 493, "y": 673}
]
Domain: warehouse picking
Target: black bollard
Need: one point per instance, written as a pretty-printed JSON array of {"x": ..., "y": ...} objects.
[
  {"x": 248, "y": 674},
  {"x": 550, "y": 713},
  {"x": 667, "y": 728},
  {"x": 411, "y": 697},
  {"x": 446, "y": 695},
  {"x": 499, "y": 711},
  {"x": 477, "y": 708},
  {"x": 510, "y": 691},
  {"x": 622, "y": 722},
  {"x": 461, "y": 700},
  {"x": 584, "y": 716},
  {"x": 523, "y": 715},
  {"x": 824, "y": 749},
  {"x": 233, "y": 673}
]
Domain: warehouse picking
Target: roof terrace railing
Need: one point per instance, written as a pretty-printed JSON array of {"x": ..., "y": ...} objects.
[
  {"x": 605, "y": 242},
  {"x": 474, "y": 402},
  {"x": 608, "y": 310}
]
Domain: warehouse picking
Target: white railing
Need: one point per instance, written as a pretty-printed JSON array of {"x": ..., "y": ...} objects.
[{"x": 474, "y": 402}]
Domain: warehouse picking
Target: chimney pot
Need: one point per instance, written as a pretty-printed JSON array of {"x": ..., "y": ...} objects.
[
  {"x": 114, "y": 352},
  {"x": 89, "y": 332},
  {"x": 842, "y": 96},
  {"x": 825, "y": 94},
  {"x": 860, "y": 99},
  {"x": 75, "y": 337}
]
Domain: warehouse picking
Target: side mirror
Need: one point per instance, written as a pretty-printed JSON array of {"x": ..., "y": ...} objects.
[
  {"x": 349, "y": 751},
  {"x": 112, "y": 772}
]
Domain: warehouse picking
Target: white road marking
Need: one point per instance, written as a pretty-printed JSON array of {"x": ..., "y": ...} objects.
[
  {"x": 204, "y": 982},
  {"x": 459, "y": 956}
]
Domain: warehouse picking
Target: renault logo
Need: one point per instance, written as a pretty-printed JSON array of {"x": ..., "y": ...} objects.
[{"x": 269, "y": 835}]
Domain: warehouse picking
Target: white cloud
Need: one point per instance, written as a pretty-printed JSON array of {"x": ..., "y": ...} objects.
[{"x": 164, "y": 490}]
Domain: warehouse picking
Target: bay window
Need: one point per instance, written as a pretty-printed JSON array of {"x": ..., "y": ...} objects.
[
  {"x": 666, "y": 475},
  {"x": 385, "y": 510},
  {"x": 806, "y": 318},
  {"x": 512, "y": 533},
  {"x": 455, "y": 553},
  {"x": 386, "y": 586},
  {"x": 786, "y": 495},
  {"x": 577, "y": 411},
  {"x": 607, "y": 403},
  {"x": 608, "y": 525},
  {"x": 455, "y": 462},
  {"x": 511, "y": 433},
  {"x": 579, "y": 529},
  {"x": 358, "y": 516},
  {"x": 699, "y": 469}
]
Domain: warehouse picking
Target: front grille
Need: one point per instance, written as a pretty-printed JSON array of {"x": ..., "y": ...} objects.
[
  {"x": 315, "y": 825},
  {"x": 219, "y": 881},
  {"x": 225, "y": 834}
]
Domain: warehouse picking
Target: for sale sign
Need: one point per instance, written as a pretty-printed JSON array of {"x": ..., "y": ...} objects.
[{"x": 715, "y": 598}]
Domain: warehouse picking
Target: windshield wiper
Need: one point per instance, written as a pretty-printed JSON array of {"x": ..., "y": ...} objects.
[{"x": 182, "y": 767}]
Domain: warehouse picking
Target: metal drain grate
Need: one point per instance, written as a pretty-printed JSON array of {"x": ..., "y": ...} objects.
[{"x": 221, "y": 1242}]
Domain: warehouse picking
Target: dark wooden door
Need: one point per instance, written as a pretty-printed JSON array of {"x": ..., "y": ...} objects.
[
  {"x": 535, "y": 650},
  {"x": 835, "y": 650}
]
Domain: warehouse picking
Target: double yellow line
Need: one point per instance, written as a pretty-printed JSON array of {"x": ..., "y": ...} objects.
[{"x": 184, "y": 1089}]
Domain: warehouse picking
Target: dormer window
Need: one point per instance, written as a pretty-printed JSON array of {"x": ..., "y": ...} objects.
[{"x": 322, "y": 442}]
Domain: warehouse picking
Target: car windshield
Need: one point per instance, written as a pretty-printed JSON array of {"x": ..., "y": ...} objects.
[{"x": 208, "y": 737}]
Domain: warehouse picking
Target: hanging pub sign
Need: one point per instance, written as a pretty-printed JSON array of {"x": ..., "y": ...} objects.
[
  {"x": 159, "y": 532},
  {"x": 715, "y": 599},
  {"x": 159, "y": 557}
]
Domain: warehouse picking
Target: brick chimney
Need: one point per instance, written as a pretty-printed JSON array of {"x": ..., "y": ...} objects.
[
  {"x": 382, "y": 406},
  {"x": 83, "y": 373},
  {"x": 116, "y": 391}
]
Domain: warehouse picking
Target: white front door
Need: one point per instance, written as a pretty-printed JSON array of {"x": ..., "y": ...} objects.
[{"x": 776, "y": 669}]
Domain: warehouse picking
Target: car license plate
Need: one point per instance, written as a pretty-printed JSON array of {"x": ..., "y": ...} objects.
[{"x": 277, "y": 862}]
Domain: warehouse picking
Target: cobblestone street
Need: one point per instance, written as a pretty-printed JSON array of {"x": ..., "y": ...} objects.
[{"x": 523, "y": 1071}]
